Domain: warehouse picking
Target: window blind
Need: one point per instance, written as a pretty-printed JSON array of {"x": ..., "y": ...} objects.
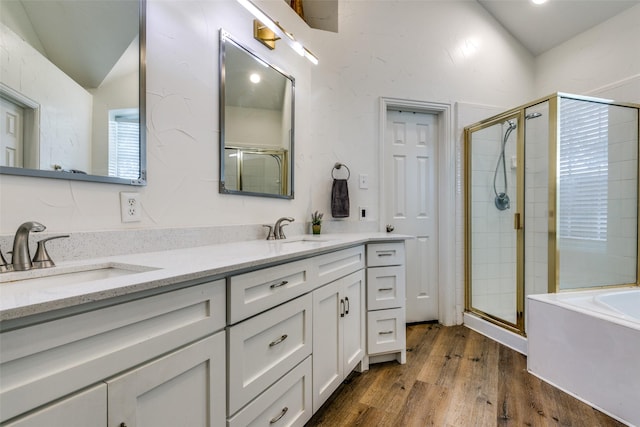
[
  {"x": 124, "y": 145},
  {"x": 583, "y": 170}
]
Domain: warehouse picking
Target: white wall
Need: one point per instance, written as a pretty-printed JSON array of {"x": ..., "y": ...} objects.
[
  {"x": 603, "y": 61},
  {"x": 418, "y": 50},
  {"x": 441, "y": 51}
]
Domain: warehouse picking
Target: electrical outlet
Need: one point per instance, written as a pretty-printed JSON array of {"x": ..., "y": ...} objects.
[
  {"x": 363, "y": 212},
  {"x": 130, "y": 209}
]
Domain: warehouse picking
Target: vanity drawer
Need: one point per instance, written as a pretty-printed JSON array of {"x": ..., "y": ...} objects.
[
  {"x": 385, "y": 331},
  {"x": 334, "y": 265},
  {"x": 43, "y": 362},
  {"x": 381, "y": 254},
  {"x": 257, "y": 291},
  {"x": 385, "y": 287},
  {"x": 286, "y": 403},
  {"x": 264, "y": 348}
]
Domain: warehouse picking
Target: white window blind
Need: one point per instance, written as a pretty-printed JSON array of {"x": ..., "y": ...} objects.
[
  {"x": 583, "y": 170},
  {"x": 124, "y": 144}
]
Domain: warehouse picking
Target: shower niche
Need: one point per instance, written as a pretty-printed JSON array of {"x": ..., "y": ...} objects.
[{"x": 551, "y": 203}]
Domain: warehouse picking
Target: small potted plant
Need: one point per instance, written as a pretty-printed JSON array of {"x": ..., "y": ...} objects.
[{"x": 316, "y": 222}]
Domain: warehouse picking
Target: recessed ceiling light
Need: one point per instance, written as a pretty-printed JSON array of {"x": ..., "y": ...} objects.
[
  {"x": 538, "y": 1},
  {"x": 255, "y": 78}
]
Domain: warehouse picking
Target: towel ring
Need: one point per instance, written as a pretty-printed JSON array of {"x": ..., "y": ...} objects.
[{"x": 338, "y": 166}]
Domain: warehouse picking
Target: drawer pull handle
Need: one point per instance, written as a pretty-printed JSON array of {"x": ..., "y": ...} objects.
[
  {"x": 346, "y": 299},
  {"x": 385, "y": 253},
  {"x": 277, "y": 285},
  {"x": 341, "y": 307},
  {"x": 385, "y": 332},
  {"x": 280, "y": 415},
  {"x": 385, "y": 289},
  {"x": 278, "y": 341}
]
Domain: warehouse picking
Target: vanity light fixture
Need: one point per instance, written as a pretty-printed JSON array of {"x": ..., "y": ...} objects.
[
  {"x": 267, "y": 31},
  {"x": 264, "y": 34},
  {"x": 538, "y": 1}
]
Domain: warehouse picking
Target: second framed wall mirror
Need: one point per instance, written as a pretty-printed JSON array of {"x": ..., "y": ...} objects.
[{"x": 256, "y": 124}]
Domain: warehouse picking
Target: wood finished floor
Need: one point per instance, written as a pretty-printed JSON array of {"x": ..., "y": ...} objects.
[{"x": 453, "y": 377}]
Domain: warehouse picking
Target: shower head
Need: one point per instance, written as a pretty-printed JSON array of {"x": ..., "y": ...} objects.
[
  {"x": 512, "y": 124},
  {"x": 532, "y": 115}
]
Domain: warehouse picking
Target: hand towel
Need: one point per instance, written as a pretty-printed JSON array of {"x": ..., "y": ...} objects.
[{"x": 340, "y": 199}]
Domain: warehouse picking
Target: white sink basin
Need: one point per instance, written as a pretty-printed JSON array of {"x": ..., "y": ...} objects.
[{"x": 70, "y": 275}]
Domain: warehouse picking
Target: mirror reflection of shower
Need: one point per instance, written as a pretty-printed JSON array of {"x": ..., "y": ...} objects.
[{"x": 502, "y": 201}]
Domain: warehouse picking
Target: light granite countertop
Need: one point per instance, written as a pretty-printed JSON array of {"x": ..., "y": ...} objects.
[{"x": 20, "y": 297}]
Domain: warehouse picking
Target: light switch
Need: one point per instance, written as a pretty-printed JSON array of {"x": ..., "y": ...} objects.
[{"x": 364, "y": 181}]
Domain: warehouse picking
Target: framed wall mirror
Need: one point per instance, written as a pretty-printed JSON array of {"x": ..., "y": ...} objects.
[
  {"x": 256, "y": 124},
  {"x": 72, "y": 90}
]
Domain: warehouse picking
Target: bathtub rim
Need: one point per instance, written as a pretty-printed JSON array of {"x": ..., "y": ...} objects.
[{"x": 583, "y": 302}]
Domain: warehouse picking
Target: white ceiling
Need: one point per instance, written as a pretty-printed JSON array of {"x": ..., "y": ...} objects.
[{"x": 542, "y": 27}]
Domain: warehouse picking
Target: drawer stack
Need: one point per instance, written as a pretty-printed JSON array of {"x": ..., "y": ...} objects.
[{"x": 386, "y": 302}]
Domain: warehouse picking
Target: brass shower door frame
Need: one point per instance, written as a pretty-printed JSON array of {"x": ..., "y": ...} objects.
[{"x": 516, "y": 114}]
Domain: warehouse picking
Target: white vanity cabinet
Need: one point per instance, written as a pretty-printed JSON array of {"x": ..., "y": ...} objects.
[
  {"x": 386, "y": 302},
  {"x": 148, "y": 360},
  {"x": 277, "y": 341},
  {"x": 338, "y": 333}
]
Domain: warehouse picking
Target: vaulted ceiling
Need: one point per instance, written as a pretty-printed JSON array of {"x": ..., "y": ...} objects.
[{"x": 542, "y": 27}]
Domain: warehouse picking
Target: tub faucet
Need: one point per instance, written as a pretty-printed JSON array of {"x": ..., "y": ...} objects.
[
  {"x": 21, "y": 257},
  {"x": 277, "y": 229}
]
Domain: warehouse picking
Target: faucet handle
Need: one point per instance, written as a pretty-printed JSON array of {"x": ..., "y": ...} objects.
[
  {"x": 42, "y": 259},
  {"x": 4, "y": 265},
  {"x": 270, "y": 235},
  {"x": 282, "y": 236}
]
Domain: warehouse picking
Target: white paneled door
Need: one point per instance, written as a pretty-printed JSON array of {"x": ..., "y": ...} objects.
[
  {"x": 410, "y": 203},
  {"x": 11, "y": 117}
]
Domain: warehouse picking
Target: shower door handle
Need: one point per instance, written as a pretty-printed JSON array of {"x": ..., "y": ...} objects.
[{"x": 517, "y": 221}]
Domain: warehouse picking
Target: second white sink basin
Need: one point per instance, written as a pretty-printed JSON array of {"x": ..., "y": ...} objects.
[{"x": 305, "y": 239}]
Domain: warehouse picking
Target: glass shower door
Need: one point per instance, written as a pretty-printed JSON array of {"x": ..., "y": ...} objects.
[{"x": 494, "y": 241}]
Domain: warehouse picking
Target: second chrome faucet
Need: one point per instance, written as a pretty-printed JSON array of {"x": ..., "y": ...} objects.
[{"x": 276, "y": 232}]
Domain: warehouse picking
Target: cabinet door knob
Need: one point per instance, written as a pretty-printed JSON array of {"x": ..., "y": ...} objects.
[
  {"x": 123, "y": 424},
  {"x": 280, "y": 415},
  {"x": 277, "y": 285},
  {"x": 346, "y": 299},
  {"x": 341, "y": 307},
  {"x": 278, "y": 341}
]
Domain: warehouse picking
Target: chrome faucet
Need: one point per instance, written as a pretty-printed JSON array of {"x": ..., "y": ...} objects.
[
  {"x": 277, "y": 229},
  {"x": 21, "y": 257}
]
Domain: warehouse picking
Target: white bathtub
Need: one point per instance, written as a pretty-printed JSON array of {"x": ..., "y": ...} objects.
[{"x": 588, "y": 344}]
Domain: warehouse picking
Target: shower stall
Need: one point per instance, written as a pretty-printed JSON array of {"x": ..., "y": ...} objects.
[{"x": 551, "y": 191}]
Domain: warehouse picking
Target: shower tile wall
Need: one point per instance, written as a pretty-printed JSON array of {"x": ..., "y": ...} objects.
[
  {"x": 623, "y": 190},
  {"x": 536, "y": 201},
  {"x": 493, "y": 260}
]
